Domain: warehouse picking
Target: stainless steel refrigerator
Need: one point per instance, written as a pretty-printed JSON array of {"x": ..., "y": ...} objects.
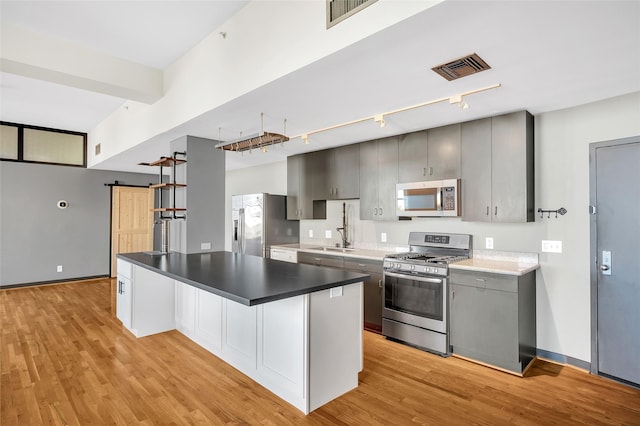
[{"x": 260, "y": 221}]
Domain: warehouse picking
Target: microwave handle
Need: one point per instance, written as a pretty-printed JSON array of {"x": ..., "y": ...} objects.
[{"x": 439, "y": 200}]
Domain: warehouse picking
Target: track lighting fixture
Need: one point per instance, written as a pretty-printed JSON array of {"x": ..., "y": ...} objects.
[
  {"x": 459, "y": 99},
  {"x": 263, "y": 139}
]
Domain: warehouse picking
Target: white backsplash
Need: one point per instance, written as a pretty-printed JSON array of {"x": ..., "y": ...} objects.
[{"x": 362, "y": 234}]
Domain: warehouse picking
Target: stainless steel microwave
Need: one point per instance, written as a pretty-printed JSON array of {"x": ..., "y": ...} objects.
[{"x": 432, "y": 198}]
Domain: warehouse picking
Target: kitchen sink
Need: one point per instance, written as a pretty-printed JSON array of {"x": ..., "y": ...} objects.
[{"x": 336, "y": 249}]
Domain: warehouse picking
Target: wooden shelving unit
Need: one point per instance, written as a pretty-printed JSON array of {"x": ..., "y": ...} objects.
[
  {"x": 168, "y": 161},
  {"x": 173, "y": 185},
  {"x": 168, "y": 185}
]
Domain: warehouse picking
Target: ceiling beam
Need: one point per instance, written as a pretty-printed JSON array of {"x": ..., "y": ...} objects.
[{"x": 57, "y": 61}]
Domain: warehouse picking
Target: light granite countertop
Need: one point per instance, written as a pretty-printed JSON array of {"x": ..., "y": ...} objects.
[
  {"x": 497, "y": 262},
  {"x": 508, "y": 263}
]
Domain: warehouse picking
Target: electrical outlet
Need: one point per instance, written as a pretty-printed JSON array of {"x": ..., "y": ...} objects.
[
  {"x": 488, "y": 243},
  {"x": 205, "y": 246},
  {"x": 327, "y": 233},
  {"x": 549, "y": 246},
  {"x": 310, "y": 233},
  {"x": 59, "y": 268},
  {"x": 383, "y": 237}
]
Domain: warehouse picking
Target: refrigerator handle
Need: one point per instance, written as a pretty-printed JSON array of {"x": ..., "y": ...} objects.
[
  {"x": 241, "y": 241},
  {"x": 235, "y": 230}
]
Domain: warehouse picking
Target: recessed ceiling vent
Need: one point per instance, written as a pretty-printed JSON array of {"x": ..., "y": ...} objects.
[{"x": 462, "y": 67}]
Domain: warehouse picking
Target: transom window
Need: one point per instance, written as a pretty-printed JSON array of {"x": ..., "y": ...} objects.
[{"x": 31, "y": 144}]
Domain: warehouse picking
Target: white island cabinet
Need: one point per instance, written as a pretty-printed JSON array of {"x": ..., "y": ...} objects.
[
  {"x": 306, "y": 349},
  {"x": 144, "y": 300}
]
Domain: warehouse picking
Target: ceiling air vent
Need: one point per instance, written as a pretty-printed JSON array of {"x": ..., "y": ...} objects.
[
  {"x": 462, "y": 67},
  {"x": 339, "y": 10}
]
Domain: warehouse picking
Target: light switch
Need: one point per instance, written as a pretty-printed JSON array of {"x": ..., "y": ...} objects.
[
  {"x": 327, "y": 233},
  {"x": 310, "y": 233},
  {"x": 383, "y": 237}
]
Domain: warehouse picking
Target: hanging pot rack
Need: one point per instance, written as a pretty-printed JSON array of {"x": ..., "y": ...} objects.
[{"x": 260, "y": 140}]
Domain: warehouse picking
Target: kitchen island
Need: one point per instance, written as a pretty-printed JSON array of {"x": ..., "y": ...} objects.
[{"x": 295, "y": 329}]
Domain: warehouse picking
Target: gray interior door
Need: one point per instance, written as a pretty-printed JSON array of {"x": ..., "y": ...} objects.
[{"x": 615, "y": 176}]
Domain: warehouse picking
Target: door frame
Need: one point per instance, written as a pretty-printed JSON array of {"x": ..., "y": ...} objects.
[
  {"x": 593, "y": 232},
  {"x": 111, "y": 185}
]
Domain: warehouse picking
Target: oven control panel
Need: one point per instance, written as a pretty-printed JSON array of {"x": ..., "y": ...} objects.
[{"x": 404, "y": 267}]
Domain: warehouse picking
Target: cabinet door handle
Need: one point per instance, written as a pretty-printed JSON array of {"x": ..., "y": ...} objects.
[
  {"x": 495, "y": 211},
  {"x": 487, "y": 210},
  {"x": 379, "y": 283},
  {"x": 375, "y": 211},
  {"x": 380, "y": 211},
  {"x": 424, "y": 171},
  {"x": 430, "y": 171}
]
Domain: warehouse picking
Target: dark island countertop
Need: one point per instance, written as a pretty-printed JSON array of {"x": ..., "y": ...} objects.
[{"x": 245, "y": 279}]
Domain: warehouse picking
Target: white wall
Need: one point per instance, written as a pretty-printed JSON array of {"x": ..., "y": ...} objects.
[
  {"x": 562, "y": 141},
  {"x": 279, "y": 36}
]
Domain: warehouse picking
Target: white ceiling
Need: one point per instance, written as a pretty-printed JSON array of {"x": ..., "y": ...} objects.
[{"x": 545, "y": 55}]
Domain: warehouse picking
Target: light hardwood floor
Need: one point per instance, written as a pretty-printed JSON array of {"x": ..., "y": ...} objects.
[{"x": 67, "y": 360}]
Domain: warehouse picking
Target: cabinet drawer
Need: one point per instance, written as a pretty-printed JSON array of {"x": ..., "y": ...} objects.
[
  {"x": 124, "y": 268},
  {"x": 320, "y": 260},
  {"x": 485, "y": 280},
  {"x": 284, "y": 255},
  {"x": 362, "y": 265}
]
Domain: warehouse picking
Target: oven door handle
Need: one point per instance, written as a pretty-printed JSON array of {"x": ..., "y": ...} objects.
[{"x": 415, "y": 277}]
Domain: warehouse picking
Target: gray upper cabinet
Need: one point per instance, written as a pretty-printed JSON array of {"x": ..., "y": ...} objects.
[
  {"x": 299, "y": 178},
  {"x": 444, "y": 152},
  {"x": 475, "y": 167},
  {"x": 336, "y": 175},
  {"x": 378, "y": 178},
  {"x": 497, "y": 169},
  {"x": 413, "y": 161},
  {"x": 429, "y": 154}
]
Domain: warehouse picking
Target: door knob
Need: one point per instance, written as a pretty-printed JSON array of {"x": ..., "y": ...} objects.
[{"x": 604, "y": 267}]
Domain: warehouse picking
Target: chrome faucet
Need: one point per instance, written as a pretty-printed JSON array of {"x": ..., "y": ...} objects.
[{"x": 343, "y": 230}]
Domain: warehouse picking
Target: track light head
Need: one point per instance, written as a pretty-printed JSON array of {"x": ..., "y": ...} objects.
[{"x": 380, "y": 120}]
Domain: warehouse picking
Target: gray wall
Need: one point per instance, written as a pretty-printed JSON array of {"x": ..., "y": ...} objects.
[
  {"x": 204, "y": 174},
  {"x": 36, "y": 236}
]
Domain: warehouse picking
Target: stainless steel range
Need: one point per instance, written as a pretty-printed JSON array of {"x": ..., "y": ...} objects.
[{"x": 415, "y": 305}]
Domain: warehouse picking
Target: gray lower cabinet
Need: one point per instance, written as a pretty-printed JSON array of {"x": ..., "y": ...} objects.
[
  {"x": 378, "y": 178},
  {"x": 372, "y": 286},
  {"x": 372, "y": 290},
  {"x": 320, "y": 260},
  {"x": 493, "y": 318},
  {"x": 497, "y": 169}
]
